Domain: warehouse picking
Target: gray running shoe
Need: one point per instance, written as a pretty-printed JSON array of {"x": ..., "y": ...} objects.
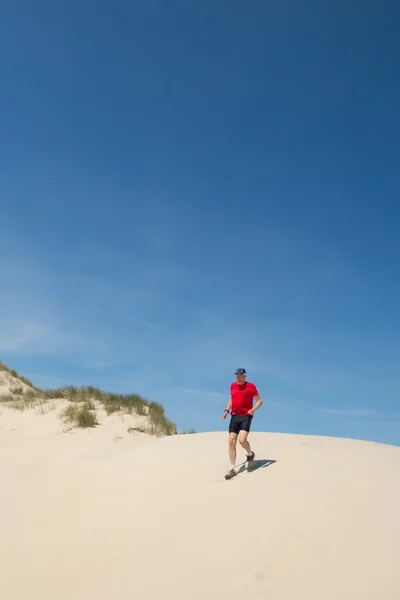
[
  {"x": 251, "y": 457},
  {"x": 230, "y": 474}
]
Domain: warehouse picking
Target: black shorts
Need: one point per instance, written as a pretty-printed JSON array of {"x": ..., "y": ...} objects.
[{"x": 240, "y": 423}]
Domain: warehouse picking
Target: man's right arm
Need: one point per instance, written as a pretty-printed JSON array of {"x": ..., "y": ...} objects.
[{"x": 228, "y": 408}]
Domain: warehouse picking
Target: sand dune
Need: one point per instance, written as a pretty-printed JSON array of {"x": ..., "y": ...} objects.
[
  {"x": 9, "y": 383},
  {"x": 85, "y": 515}
]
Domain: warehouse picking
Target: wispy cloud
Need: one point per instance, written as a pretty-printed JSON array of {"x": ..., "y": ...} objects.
[
  {"x": 107, "y": 321},
  {"x": 350, "y": 412}
]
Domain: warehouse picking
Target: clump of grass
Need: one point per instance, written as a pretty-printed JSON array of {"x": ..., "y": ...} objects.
[
  {"x": 18, "y": 400},
  {"x": 80, "y": 416},
  {"x": 130, "y": 403},
  {"x": 7, "y": 398},
  {"x": 67, "y": 393},
  {"x": 30, "y": 396},
  {"x": 19, "y": 403},
  {"x": 18, "y": 391},
  {"x": 69, "y": 413},
  {"x": 188, "y": 431},
  {"x": 86, "y": 417},
  {"x": 44, "y": 407},
  {"x": 159, "y": 422}
]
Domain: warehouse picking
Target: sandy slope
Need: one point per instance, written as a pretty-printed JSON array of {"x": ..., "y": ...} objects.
[
  {"x": 84, "y": 516},
  {"x": 8, "y": 383}
]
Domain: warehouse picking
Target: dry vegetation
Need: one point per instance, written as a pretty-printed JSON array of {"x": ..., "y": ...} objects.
[{"x": 84, "y": 401}]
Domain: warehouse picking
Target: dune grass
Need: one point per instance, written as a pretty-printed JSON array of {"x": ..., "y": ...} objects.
[
  {"x": 81, "y": 416},
  {"x": 159, "y": 424},
  {"x": 159, "y": 421},
  {"x": 20, "y": 401},
  {"x": 17, "y": 390},
  {"x": 84, "y": 400}
]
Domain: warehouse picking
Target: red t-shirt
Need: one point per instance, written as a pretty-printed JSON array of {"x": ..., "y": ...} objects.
[{"x": 242, "y": 397}]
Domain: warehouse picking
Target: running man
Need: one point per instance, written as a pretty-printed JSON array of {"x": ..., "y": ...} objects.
[{"x": 241, "y": 407}]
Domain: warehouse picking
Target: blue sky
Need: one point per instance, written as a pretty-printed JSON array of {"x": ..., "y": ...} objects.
[{"x": 186, "y": 188}]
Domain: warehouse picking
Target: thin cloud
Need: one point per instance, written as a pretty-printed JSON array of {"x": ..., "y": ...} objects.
[
  {"x": 350, "y": 412},
  {"x": 33, "y": 336}
]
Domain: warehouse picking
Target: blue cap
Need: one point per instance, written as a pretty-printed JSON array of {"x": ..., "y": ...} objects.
[{"x": 240, "y": 372}]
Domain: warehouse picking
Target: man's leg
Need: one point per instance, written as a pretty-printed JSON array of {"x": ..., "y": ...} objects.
[
  {"x": 233, "y": 436},
  {"x": 243, "y": 441},
  {"x": 232, "y": 448}
]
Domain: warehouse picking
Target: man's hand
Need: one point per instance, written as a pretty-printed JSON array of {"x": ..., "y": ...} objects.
[
  {"x": 255, "y": 407},
  {"x": 224, "y": 414}
]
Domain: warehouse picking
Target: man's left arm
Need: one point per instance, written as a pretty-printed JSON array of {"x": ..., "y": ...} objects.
[{"x": 256, "y": 406}]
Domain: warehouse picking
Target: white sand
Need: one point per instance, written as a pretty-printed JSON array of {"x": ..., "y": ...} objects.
[{"x": 102, "y": 514}]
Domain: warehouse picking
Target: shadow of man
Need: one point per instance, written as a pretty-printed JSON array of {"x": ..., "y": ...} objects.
[{"x": 255, "y": 465}]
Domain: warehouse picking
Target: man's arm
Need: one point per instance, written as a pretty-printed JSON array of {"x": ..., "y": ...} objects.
[
  {"x": 256, "y": 406},
  {"x": 228, "y": 409}
]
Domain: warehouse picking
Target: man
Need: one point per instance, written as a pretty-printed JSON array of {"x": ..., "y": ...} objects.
[{"x": 241, "y": 407}]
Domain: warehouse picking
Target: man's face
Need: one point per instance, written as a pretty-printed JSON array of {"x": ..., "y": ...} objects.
[{"x": 240, "y": 378}]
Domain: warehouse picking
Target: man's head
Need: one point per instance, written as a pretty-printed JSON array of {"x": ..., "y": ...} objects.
[{"x": 240, "y": 375}]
